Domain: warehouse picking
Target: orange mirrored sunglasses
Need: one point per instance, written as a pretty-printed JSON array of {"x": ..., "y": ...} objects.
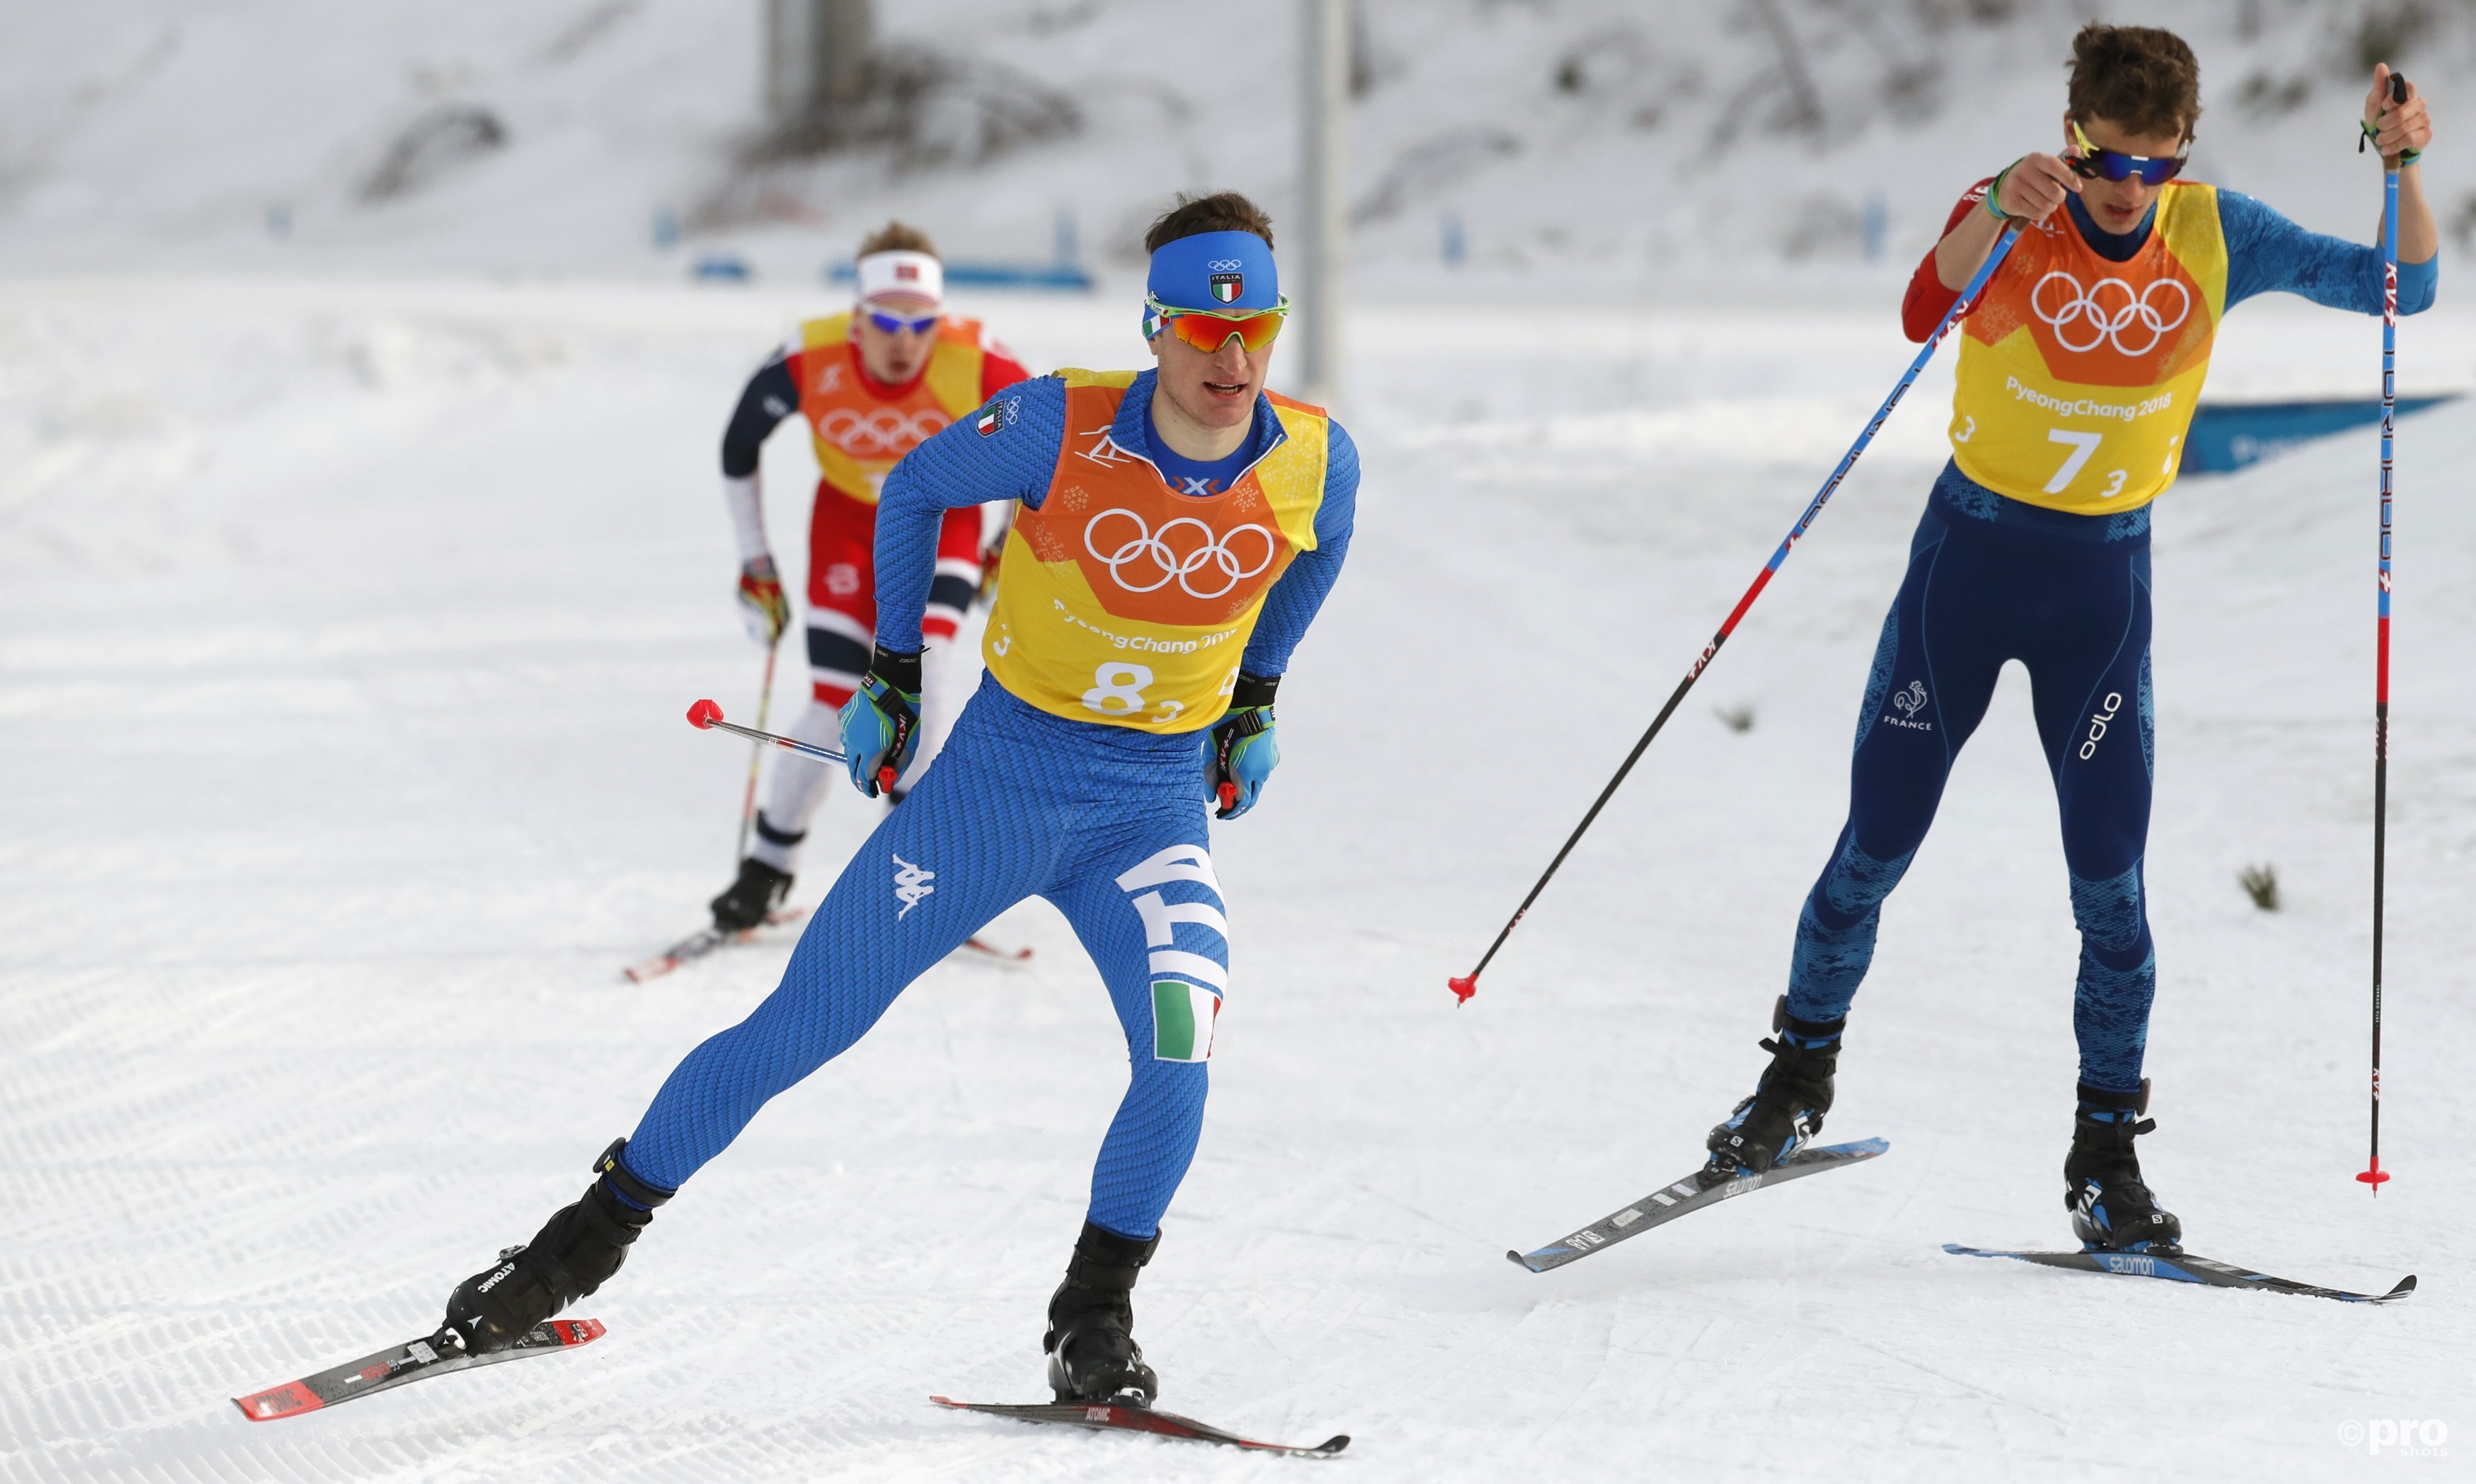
[{"x": 1207, "y": 330}]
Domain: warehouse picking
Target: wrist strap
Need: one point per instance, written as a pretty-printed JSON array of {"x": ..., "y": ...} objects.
[
  {"x": 2406, "y": 157},
  {"x": 897, "y": 669},
  {"x": 1995, "y": 190},
  {"x": 1252, "y": 690}
]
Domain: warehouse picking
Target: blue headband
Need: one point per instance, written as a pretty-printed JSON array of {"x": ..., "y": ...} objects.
[{"x": 1217, "y": 271}]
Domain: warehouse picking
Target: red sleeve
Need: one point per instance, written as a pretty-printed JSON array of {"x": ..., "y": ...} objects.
[
  {"x": 999, "y": 370},
  {"x": 1928, "y": 300}
]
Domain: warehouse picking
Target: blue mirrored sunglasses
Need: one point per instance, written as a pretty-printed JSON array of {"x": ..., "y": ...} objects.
[
  {"x": 2093, "y": 163},
  {"x": 897, "y": 324}
]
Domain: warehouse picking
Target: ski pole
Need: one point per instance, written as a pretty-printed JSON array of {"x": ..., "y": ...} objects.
[
  {"x": 764, "y": 703},
  {"x": 1467, "y": 985},
  {"x": 2373, "y": 1174},
  {"x": 706, "y": 714}
]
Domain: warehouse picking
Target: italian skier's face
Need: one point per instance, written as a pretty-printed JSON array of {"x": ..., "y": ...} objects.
[
  {"x": 895, "y": 357},
  {"x": 1212, "y": 388},
  {"x": 2118, "y": 206}
]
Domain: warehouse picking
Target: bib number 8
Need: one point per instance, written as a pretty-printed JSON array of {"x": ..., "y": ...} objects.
[{"x": 1121, "y": 683}]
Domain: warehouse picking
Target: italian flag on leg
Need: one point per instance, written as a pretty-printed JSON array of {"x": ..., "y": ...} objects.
[{"x": 1182, "y": 1020}]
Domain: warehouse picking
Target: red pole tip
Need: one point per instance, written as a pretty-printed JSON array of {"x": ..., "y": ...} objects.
[
  {"x": 1228, "y": 795},
  {"x": 1463, "y": 988},
  {"x": 704, "y": 714},
  {"x": 885, "y": 779},
  {"x": 2374, "y": 1177}
]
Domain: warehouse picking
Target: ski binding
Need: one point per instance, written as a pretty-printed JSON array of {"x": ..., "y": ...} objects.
[{"x": 411, "y": 1361}]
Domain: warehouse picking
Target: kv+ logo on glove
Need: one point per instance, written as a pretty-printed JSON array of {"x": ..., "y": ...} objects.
[{"x": 880, "y": 722}]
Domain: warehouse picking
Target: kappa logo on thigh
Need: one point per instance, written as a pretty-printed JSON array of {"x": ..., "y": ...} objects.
[
  {"x": 1186, "y": 985},
  {"x": 911, "y": 885}
]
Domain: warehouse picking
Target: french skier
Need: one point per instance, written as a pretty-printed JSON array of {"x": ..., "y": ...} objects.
[
  {"x": 1176, "y": 533},
  {"x": 2078, "y": 368},
  {"x": 872, "y": 383}
]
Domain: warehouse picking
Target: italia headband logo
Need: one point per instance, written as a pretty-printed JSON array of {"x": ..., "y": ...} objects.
[{"x": 1227, "y": 281}]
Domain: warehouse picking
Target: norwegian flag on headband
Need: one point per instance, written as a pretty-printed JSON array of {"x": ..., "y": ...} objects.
[{"x": 915, "y": 275}]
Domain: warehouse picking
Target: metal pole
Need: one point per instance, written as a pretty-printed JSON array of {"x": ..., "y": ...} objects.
[{"x": 1324, "y": 220}]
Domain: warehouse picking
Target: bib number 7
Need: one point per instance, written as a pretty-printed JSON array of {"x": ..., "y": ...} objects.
[{"x": 2084, "y": 444}]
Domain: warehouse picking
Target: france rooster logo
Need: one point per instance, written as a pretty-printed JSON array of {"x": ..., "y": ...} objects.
[{"x": 1909, "y": 702}]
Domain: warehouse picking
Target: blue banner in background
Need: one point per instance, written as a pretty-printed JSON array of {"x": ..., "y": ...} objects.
[{"x": 2228, "y": 436}]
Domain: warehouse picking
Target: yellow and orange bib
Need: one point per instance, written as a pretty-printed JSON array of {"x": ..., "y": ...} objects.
[
  {"x": 859, "y": 436},
  {"x": 1125, "y": 602},
  {"x": 2078, "y": 376}
]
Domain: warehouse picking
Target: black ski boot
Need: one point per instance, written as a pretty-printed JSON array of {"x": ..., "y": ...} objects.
[
  {"x": 1092, "y": 1352},
  {"x": 1786, "y": 1110},
  {"x": 574, "y": 1253},
  {"x": 2112, "y": 1210},
  {"x": 758, "y": 891}
]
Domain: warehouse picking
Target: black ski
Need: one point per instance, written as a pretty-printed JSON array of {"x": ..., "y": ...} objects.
[
  {"x": 1668, "y": 1203},
  {"x": 2184, "y": 1268},
  {"x": 1117, "y": 1416},
  {"x": 410, "y": 1361}
]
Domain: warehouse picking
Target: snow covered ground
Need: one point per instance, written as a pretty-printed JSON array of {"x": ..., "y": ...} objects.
[{"x": 344, "y": 633}]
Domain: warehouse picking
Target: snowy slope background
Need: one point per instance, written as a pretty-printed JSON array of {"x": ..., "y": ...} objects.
[
  {"x": 352, "y": 583},
  {"x": 1649, "y": 146}
]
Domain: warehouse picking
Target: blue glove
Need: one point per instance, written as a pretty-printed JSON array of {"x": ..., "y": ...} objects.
[
  {"x": 1239, "y": 752},
  {"x": 880, "y": 722}
]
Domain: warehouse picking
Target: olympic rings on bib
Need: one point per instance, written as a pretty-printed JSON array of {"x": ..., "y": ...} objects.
[
  {"x": 1153, "y": 553},
  {"x": 2106, "y": 310},
  {"x": 891, "y": 430}
]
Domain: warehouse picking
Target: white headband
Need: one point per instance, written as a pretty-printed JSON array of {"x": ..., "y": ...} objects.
[{"x": 902, "y": 272}]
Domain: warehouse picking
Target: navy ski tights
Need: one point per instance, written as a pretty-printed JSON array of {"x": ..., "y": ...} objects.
[{"x": 2068, "y": 597}]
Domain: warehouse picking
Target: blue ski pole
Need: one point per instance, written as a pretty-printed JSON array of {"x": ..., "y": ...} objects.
[
  {"x": 2373, "y": 1174},
  {"x": 1467, "y": 985}
]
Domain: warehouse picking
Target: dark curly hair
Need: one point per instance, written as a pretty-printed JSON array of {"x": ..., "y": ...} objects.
[
  {"x": 2138, "y": 78},
  {"x": 1221, "y": 212}
]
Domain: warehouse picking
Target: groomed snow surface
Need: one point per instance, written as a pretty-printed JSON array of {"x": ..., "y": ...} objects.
[{"x": 345, "y": 630}]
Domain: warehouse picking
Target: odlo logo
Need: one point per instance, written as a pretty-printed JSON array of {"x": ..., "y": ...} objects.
[{"x": 2098, "y": 721}]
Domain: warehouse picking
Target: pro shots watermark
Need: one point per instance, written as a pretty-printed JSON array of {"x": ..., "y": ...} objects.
[{"x": 2397, "y": 1437}]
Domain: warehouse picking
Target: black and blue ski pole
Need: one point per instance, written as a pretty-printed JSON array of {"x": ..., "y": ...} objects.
[
  {"x": 1467, "y": 984},
  {"x": 2373, "y": 1174}
]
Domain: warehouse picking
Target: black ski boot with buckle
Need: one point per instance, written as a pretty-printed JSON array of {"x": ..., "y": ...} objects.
[
  {"x": 2111, "y": 1209},
  {"x": 1786, "y": 1110},
  {"x": 1090, "y": 1344},
  {"x": 576, "y": 1252},
  {"x": 748, "y": 902}
]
